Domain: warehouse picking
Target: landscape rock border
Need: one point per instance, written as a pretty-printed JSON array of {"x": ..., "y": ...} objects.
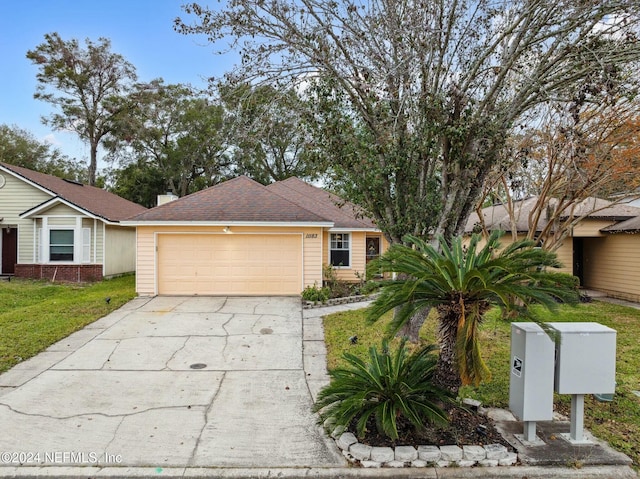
[
  {"x": 490, "y": 455},
  {"x": 337, "y": 301}
]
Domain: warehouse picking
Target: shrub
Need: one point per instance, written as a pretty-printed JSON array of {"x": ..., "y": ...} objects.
[
  {"x": 370, "y": 286},
  {"x": 390, "y": 386},
  {"x": 313, "y": 293},
  {"x": 337, "y": 287}
]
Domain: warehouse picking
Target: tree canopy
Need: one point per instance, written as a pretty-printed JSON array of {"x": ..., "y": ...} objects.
[
  {"x": 19, "y": 147},
  {"x": 171, "y": 131},
  {"x": 268, "y": 134},
  {"x": 422, "y": 93},
  {"x": 84, "y": 84}
]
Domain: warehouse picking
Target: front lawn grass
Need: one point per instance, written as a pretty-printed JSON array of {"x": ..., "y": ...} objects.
[
  {"x": 617, "y": 422},
  {"x": 36, "y": 314}
]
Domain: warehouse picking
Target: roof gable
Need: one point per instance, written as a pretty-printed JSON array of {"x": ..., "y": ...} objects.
[
  {"x": 240, "y": 200},
  {"x": 344, "y": 214},
  {"x": 95, "y": 201}
]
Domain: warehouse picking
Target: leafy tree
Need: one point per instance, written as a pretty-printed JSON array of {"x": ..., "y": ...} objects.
[
  {"x": 389, "y": 387},
  {"x": 84, "y": 84},
  {"x": 424, "y": 92},
  {"x": 19, "y": 147},
  {"x": 270, "y": 142},
  {"x": 139, "y": 182},
  {"x": 173, "y": 132},
  {"x": 561, "y": 164},
  {"x": 462, "y": 283}
]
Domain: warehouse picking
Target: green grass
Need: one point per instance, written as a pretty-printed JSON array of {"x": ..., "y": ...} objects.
[
  {"x": 617, "y": 422},
  {"x": 36, "y": 314}
]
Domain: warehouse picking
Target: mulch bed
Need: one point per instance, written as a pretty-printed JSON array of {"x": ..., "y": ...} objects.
[{"x": 465, "y": 428}]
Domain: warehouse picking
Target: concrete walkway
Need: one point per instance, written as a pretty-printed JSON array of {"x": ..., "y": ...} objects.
[
  {"x": 166, "y": 383},
  {"x": 121, "y": 399}
]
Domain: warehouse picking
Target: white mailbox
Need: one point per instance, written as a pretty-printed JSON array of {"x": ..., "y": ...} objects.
[
  {"x": 531, "y": 379},
  {"x": 585, "y": 364},
  {"x": 585, "y": 358}
]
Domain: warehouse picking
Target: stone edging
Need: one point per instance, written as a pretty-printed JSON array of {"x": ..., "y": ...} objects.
[
  {"x": 337, "y": 301},
  {"x": 423, "y": 456}
]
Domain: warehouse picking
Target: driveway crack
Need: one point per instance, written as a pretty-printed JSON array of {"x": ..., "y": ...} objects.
[
  {"x": 115, "y": 434},
  {"x": 223, "y": 305},
  {"x": 166, "y": 364},
  {"x": 93, "y": 414},
  {"x": 226, "y": 337},
  {"x": 115, "y": 347},
  {"x": 206, "y": 420},
  {"x": 224, "y": 325}
]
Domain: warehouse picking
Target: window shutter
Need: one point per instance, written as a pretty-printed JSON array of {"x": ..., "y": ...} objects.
[{"x": 86, "y": 245}]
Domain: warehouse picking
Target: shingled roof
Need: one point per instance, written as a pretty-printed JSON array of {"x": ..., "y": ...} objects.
[
  {"x": 343, "y": 213},
  {"x": 629, "y": 226},
  {"x": 240, "y": 200},
  {"x": 497, "y": 218},
  {"x": 95, "y": 201}
]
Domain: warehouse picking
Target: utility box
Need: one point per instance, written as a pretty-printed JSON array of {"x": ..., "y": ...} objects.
[
  {"x": 585, "y": 358},
  {"x": 531, "y": 379}
]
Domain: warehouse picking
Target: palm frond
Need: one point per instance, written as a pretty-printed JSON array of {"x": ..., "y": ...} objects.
[{"x": 513, "y": 278}]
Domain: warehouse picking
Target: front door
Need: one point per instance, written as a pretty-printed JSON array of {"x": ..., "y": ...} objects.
[
  {"x": 9, "y": 250},
  {"x": 373, "y": 247},
  {"x": 578, "y": 259}
]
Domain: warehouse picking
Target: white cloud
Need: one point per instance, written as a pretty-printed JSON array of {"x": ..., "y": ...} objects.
[{"x": 51, "y": 140}]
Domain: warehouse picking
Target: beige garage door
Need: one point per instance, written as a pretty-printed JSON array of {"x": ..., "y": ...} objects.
[{"x": 229, "y": 264}]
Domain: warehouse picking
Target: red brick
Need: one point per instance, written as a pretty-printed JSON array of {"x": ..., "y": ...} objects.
[{"x": 65, "y": 273}]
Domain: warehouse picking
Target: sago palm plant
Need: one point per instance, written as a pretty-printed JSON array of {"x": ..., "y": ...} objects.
[
  {"x": 387, "y": 387},
  {"x": 462, "y": 283}
]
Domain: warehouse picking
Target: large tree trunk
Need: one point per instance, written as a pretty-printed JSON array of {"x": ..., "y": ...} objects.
[
  {"x": 411, "y": 329},
  {"x": 93, "y": 163}
]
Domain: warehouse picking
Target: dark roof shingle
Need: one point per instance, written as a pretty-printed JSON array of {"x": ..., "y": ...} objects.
[
  {"x": 629, "y": 226},
  {"x": 94, "y": 200},
  {"x": 343, "y": 213},
  {"x": 238, "y": 200},
  {"x": 497, "y": 218}
]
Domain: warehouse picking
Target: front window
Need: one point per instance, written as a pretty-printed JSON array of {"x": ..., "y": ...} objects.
[
  {"x": 61, "y": 245},
  {"x": 340, "y": 250}
]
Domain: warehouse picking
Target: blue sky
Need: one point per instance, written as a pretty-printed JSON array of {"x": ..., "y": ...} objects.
[{"x": 140, "y": 30}]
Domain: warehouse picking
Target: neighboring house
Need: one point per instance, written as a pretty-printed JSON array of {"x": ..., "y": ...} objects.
[
  {"x": 63, "y": 230},
  {"x": 613, "y": 261},
  {"x": 595, "y": 250},
  {"x": 243, "y": 238}
]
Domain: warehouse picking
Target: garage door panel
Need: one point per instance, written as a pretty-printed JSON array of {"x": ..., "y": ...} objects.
[{"x": 229, "y": 264}]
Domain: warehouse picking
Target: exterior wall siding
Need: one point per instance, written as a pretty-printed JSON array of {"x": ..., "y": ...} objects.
[
  {"x": 589, "y": 228},
  {"x": 119, "y": 250},
  {"x": 17, "y": 197},
  {"x": 612, "y": 265},
  {"x": 61, "y": 210},
  {"x": 358, "y": 254},
  {"x": 146, "y": 267},
  {"x": 565, "y": 255}
]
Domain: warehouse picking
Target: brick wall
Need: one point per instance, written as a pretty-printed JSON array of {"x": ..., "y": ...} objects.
[{"x": 68, "y": 273}]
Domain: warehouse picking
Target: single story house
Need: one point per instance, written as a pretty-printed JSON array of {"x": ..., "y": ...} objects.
[
  {"x": 602, "y": 249},
  {"x": 613, "y": 260},
  {"x": 243, "y": 238},
  {"x": 61, "y": 229}
]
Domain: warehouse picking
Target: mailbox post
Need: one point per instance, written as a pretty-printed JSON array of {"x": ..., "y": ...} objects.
[
  {"x": 585, "y": 364},
  {"x": 531, "y": 381}
]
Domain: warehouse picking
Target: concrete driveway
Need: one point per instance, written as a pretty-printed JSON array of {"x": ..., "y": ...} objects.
[{"x": 171, "y": 382}]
